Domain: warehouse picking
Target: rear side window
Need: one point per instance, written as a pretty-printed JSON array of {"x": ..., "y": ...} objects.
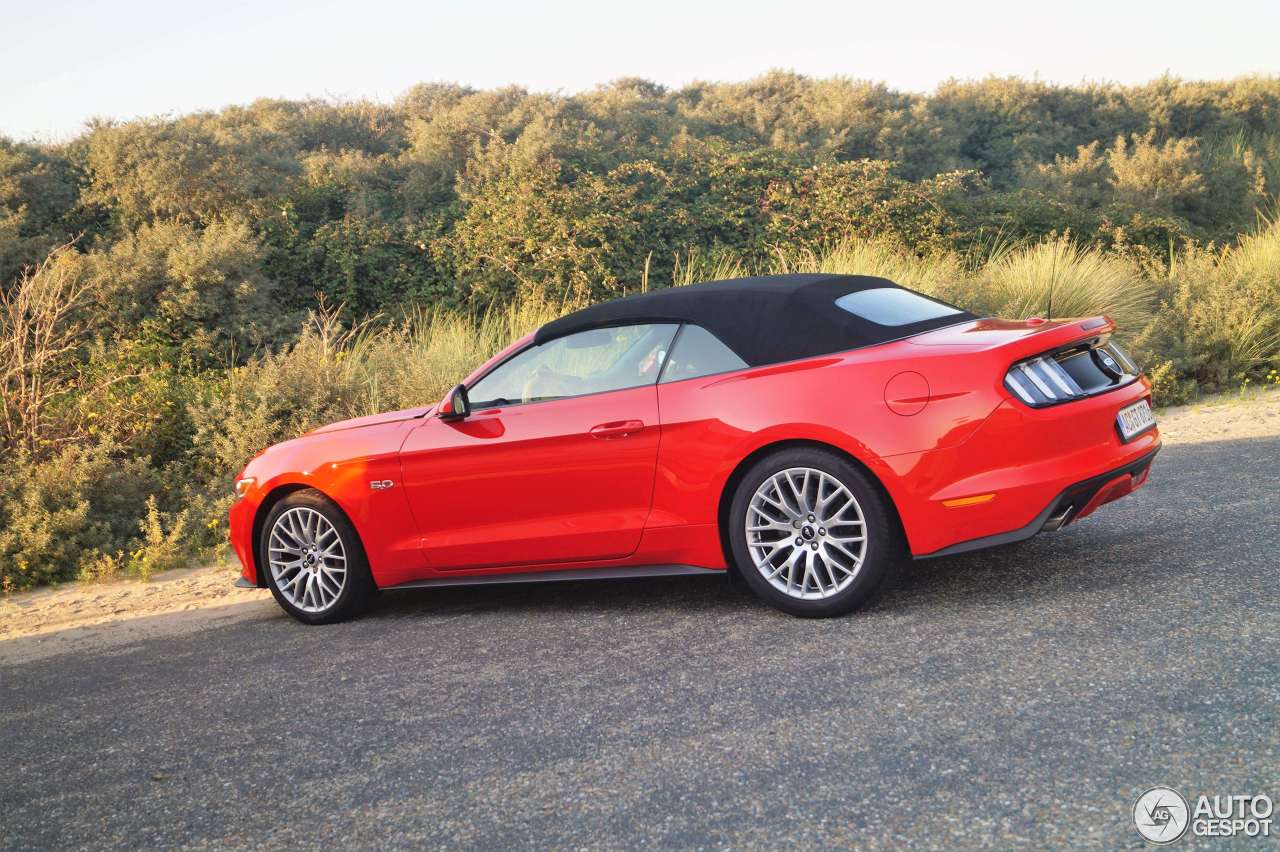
[
  {"x": 894, "y": 306},
  {"x": 698, "y": 352}
]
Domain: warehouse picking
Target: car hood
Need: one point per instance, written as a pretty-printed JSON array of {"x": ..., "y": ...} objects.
[{"x": 374, "y": 419}]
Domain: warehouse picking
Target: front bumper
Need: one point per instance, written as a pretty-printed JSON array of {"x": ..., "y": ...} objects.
[{"x": 240, "y": 526}]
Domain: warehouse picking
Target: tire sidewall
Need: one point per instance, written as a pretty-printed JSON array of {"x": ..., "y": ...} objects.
[
  {"x": 881, "y": 545},
  {"x": 358, "y": 582}
]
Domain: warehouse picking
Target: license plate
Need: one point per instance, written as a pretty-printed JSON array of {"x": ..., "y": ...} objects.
[{"x": 1135, "y": 419}]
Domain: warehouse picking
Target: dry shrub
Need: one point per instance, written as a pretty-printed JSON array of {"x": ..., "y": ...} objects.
[{"x": 39, "y": 336}]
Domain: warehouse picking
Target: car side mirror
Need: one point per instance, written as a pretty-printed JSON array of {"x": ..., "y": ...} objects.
[{"x": 456, "y": 405}]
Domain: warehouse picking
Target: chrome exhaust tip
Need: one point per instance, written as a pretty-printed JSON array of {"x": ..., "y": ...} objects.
[{"x": 1058, "y": 521}]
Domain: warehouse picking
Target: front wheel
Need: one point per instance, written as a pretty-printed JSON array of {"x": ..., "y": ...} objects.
[
  {"x": 810, "y": 533},
  {"x": 316, "y": 567}
]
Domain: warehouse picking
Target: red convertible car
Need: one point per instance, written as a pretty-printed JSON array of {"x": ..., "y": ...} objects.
[{"x": 803, "y": 431}]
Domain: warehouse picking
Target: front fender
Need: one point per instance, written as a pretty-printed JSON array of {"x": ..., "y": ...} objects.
[{"x": 341, "y": 465}]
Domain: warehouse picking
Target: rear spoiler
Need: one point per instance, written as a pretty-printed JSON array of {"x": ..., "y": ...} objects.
[{"x": 1050, "y": 335}]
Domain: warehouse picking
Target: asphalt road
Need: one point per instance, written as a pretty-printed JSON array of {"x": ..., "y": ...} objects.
[{"x": 1022, "y": 696}]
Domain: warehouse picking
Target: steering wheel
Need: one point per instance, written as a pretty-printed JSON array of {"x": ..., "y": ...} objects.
[{"x": 546, "y": 382}]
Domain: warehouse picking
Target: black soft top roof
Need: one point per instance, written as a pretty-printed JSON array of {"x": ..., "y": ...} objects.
[{"x": 764, "y": 320}]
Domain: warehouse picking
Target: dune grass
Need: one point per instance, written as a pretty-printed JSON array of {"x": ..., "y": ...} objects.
[
  {"x": 1220, "y": 317},
  {"x": 1060, "y": 278}
]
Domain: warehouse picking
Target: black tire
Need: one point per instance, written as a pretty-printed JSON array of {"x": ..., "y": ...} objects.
[
  {"x": 358, "y": 589},
  {"x": 883, "y": 541}
]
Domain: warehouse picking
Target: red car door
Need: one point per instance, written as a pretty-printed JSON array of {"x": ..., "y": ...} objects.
[
  {"x": 563, "y": 473},
  {"x": 557, "y": 481}
]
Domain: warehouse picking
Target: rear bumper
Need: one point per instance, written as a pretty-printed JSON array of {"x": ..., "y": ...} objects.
[
  {"x": 995, "y": 486},
  {"x": 1075, "y": 502}
]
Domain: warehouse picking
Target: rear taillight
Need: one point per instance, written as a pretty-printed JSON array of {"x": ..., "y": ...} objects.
[
  {"x": 1041, "y": 381},
  {"x": 1078, "y": 371}
]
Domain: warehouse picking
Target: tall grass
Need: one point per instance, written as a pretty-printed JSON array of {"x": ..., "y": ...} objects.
[
  {"x": 1220, "y": 315},
  {"x": 402, "y": 364},
  {"x": 694, "y": 266},
  {"x": 1013, "y": 280},
  {"x": 1060, "y": 278},
  {"x": 334, "y": 372}
]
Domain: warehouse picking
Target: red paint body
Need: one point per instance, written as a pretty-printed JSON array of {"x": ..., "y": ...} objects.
[{"x": 637, "y": 477}]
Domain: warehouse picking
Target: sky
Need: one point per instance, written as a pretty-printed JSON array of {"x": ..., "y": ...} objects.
[{"x": 65, "y": 62}]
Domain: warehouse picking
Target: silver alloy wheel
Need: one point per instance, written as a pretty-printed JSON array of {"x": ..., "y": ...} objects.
[
  {"x": 307, "y": 560},
  {"x": 806, "y": 533}
]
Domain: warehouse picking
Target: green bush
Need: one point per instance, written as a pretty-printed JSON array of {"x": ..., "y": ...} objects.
[
  {"x": 1218, "y": 320},
  {"x": 64, "y": 514},
  {"x": 200, "y": 292}
]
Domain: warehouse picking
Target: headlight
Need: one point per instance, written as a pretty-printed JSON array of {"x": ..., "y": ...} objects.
[{"x": 243, "y": 486}]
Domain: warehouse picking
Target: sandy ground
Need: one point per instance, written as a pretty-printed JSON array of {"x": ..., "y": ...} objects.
[
  {"x": 1223, "y": 418},
  {"x": 47, "y": 622},
  {"x": 72, "y": 617}
]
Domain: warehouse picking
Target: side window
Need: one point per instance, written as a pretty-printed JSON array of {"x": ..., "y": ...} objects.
[
  {"x": 894, "y": 306},
  {"x": 595, "y": 361},
  {"x": 698, "y": 352}
]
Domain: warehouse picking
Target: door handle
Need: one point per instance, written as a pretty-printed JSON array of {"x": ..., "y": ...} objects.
[{"x": 616, "y": 429}]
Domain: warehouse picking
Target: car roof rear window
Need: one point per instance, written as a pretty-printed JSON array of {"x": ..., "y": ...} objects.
[{"x": 894, "y": 306}]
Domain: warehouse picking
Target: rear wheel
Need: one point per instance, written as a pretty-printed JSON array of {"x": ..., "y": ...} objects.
[
  {"x": 316, "y": 567},
  {"x": 810, "y": 533}
]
